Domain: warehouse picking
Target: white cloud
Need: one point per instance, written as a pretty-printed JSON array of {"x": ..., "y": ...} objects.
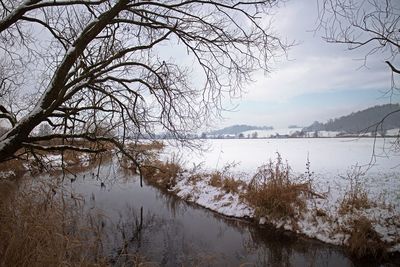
[
  {"x": 313, "y": 74},
  {"x": 315, "y": 65}
]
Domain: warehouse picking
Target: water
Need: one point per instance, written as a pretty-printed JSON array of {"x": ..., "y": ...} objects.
[{"x": 171, "y": 232}]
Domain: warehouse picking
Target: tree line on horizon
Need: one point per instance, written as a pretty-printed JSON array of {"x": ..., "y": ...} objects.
[
  {"x": 374, "y": 119},
  {"x": 377, "y": 119}
]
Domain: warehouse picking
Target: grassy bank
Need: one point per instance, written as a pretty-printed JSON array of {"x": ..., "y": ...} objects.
[{"x": 366, "y": 227}]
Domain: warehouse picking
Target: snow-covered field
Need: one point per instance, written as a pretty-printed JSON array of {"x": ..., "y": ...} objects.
[
  {"x": 327, "y": 156},
  {"x": 331, "y": 162}
]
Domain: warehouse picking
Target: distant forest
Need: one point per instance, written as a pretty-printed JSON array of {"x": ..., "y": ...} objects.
[
  {"x": 237, "y": 129},
  {"x": 362, "y": 121}
]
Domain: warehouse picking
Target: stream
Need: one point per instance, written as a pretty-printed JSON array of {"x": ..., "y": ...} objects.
[{"x": 170, "y": 232}]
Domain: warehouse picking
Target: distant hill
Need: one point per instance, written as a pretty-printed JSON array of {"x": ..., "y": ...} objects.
[
  {"x": 237, "y": 129},
  {"x": 361, "y": 121}
]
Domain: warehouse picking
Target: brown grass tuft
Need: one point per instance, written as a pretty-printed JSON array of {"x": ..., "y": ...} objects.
[
  {"x": 39, "y": 228},
  {"x": 163, "y": 174},
  {"x": 364, "y": 240},
  {"x": 196, "y": 177},
  {"x": 154, "y": 145},
  {"x": 231, "y": 185},
  {"x": 225, "y": 180},
  {"x": 216, "y": 179},
  {"x": 12, "y": 168},
  {"x": 142, "y": 152},
  {"x": 356, "y": 197},
  {"x": 275, "y": 193}
]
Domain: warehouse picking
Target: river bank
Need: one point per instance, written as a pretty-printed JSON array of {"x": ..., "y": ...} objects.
[{"x": 115, "y": 193}]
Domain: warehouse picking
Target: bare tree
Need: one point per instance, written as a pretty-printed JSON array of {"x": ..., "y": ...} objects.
[
  {"x": 372, "y": 26},
  {"x": 100, "y": 75}
]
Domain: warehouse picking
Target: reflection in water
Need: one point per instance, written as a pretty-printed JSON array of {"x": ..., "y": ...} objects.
[{"x": 170, "y": 232}]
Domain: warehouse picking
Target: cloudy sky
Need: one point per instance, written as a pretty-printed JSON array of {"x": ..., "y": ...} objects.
[{"x": 317, "y": 81}]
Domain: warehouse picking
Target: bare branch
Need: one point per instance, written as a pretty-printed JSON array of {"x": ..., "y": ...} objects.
[{"x": 102, "y": 77}]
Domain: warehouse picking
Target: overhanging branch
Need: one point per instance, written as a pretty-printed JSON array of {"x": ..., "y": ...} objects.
[
  {"x": 63, "y": 148},
  {"x": 392, "y": 67}
]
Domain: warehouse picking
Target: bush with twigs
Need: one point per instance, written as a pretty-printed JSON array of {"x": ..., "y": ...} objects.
[
  {"x": 364, "y": 241},
  {"x": 276, "y": 193},
  {"x": 356, "y": 197}
]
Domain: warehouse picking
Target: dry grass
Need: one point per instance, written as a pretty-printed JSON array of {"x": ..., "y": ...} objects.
[
  {"x": 364, "y": 241},
  {"x": 155, "y": 171},
  {"x": 275, "y": 193},
  {"x": 154, "y": 145},
  {"x": 145, "y": 149},
  {"x": 162, "y": 174},
  {"x": 194, "y": 178},
  {"x": 225, "y": 180},
  {"x": 42, "y": 161},
  {"x": 230, "y": 185},
  {"x": 142, "y": 152},
  {"x": 71, "y": 157},
  {"x": 356, "y": 197},
  {"x": 39, "y": 227},
  {"x": 15, "y": 166},
  {"x": 216, "y": 179}
]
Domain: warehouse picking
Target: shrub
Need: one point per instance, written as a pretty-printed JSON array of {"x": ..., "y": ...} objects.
[
  {"x": 275, "y": 193},
  {"x": 356, "y": 197},
  {"x": 216, "y": 179},
  {"x": 163, "y": 174}
]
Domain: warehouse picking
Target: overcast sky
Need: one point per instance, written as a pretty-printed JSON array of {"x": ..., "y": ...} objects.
[{"x": 318, "y": 81}]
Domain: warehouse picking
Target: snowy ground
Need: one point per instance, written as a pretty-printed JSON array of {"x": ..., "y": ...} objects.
[{"x": 332, "y": 161}]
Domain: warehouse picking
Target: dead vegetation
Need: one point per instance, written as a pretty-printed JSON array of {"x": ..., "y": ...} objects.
[
  {"x": 225, "y": 180},
  {"x": 216, "y": 179},
  {"x": 226, "y": 183},
  {"x": 12, "y": 169},
  {"x": 145, "y": 153},
  {"x": 195, "y": 177},
  {"x": 162, "y": 174},
  {"x": 43, "y": 224},
  {"x": 52, "y": 161},
  {"x": 38, "y": 227},
  {"x": 155, "y": 171},
  {"x": 356, "y": 197},
  {"x": 364, "y": 241},
  {"x": 275, "y": 193},
  {"x": 230, "y": 185}
]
